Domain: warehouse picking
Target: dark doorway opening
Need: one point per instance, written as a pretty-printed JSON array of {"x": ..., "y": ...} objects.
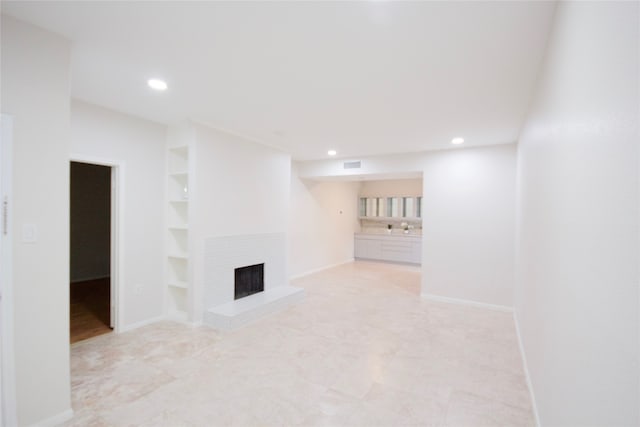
[{"x": 90, "y": 251}]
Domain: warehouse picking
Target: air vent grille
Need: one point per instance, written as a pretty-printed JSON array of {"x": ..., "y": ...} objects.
[{"x": 352, "y": 165}]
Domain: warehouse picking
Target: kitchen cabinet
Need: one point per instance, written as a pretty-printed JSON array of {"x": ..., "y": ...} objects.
[
  {"x": 389, "y": 208},
  {"x": 389, "y": 247}
]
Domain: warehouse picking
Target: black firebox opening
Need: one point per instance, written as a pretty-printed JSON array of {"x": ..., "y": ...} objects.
[{"x": 249, "y": 280}]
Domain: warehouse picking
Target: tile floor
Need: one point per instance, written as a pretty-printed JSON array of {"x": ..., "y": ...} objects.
[{"x": 362, "y": 349}]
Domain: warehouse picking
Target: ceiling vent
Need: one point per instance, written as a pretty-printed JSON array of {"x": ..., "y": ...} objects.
[{"x": 352, "y": 165}]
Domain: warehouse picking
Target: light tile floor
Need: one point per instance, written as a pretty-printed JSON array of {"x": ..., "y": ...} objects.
[{"x": 362, "y": 349}]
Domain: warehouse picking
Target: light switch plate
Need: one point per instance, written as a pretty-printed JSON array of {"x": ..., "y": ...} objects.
[{"x": 29, "y": 233}]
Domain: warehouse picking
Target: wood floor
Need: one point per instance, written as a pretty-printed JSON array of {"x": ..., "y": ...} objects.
[{"x": 90, "y": 308}]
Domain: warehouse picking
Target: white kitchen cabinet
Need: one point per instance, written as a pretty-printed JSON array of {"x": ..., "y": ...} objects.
[
  {"x": 368, "y": 248},
  {"x": 392, "y": 247},
  {"x": 405, "y": 208}
]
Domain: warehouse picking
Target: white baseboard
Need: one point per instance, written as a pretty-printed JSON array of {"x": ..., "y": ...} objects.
[
  {"x": 526, "y": 370},
  {"x": 317, "y": 270},
  {"x": 141, "y": 324},
  {"x": 471, "y": 303},
  {"x": 183, "y": 318},
  {"x": 55, "y": 420}
]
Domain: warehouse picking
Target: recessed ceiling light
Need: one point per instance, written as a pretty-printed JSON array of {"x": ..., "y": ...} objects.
[
  {"x": 457, "y": 141},
  {"x": 157, "y": 84},
  {"x": 332, "y": 152}
]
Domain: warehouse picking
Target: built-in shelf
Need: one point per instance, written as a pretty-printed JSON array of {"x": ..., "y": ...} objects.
[
  {"x": 178, "y": 284},
  {"x": 179, "y": 227},
  {"x": 178, "y": 159},
  {"x": 178, "y": 278}
]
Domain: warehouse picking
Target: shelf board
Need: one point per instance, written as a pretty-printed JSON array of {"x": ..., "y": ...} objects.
[
  {"x": 179, "y": 256},
  {"x": 179, "y": 149},
  {"x": 178, "y": 284},
  {"x": 179, "y": 227},
  {"x": 183, "y": 174},
  {"x": 178, "y": 201}
]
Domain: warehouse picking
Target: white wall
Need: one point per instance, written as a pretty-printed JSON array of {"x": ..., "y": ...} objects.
[
  {"x": 469, "y": 224},
  {"x": 468, "y": 216},
  {"x": 240, "y": 188},
  {"x": 323, "y": 218},
  {"x": 35, "y": 90},
  {"x": 243, "y": 186},
  {"x": 392, "y": 187},
  {"x": 139, "y": 146},
  {"x": 379, "y": 167},
  {"x": 578, "y": 256}
]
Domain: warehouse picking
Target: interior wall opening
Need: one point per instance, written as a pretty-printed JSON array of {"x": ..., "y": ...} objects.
[
  {"x": 389, "y": 213},
  {"x": 90, "y": 251}
]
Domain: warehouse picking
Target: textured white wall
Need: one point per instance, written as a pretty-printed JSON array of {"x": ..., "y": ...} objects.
[
  {"x": 382, "y": 167},
  {"x": 35, "y": 91},
  {"x": 243, "y": 187},
  {"x": 240, "y": 188},
  {"x": 323, "y": 217},
  {"x": 469, "y": 224},
  {"x": 139, "y": 146},
  {"x": 578, "y": 257},
  {"x": 392, "y": 187}
]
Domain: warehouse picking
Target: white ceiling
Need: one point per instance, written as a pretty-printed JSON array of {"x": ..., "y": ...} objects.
[{"x": 364, "y": 78}]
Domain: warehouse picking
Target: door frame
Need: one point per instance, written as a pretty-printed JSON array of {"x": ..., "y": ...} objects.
[
  {"x": 8, "y": 415},
  {"x": 117, "y": 214}
]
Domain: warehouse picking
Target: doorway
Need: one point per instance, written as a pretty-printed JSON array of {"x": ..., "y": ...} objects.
[{"x": 91, "y": 260}]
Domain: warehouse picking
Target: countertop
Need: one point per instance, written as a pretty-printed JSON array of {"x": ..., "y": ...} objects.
[{"x": 395, "y": 233}]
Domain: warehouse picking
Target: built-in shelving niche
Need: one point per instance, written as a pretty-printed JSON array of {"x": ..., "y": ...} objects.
[{"x": 178, "y": 280}]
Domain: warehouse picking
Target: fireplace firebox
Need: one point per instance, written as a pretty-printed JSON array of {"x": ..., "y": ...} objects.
[{"x": 249, "y": 280}]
